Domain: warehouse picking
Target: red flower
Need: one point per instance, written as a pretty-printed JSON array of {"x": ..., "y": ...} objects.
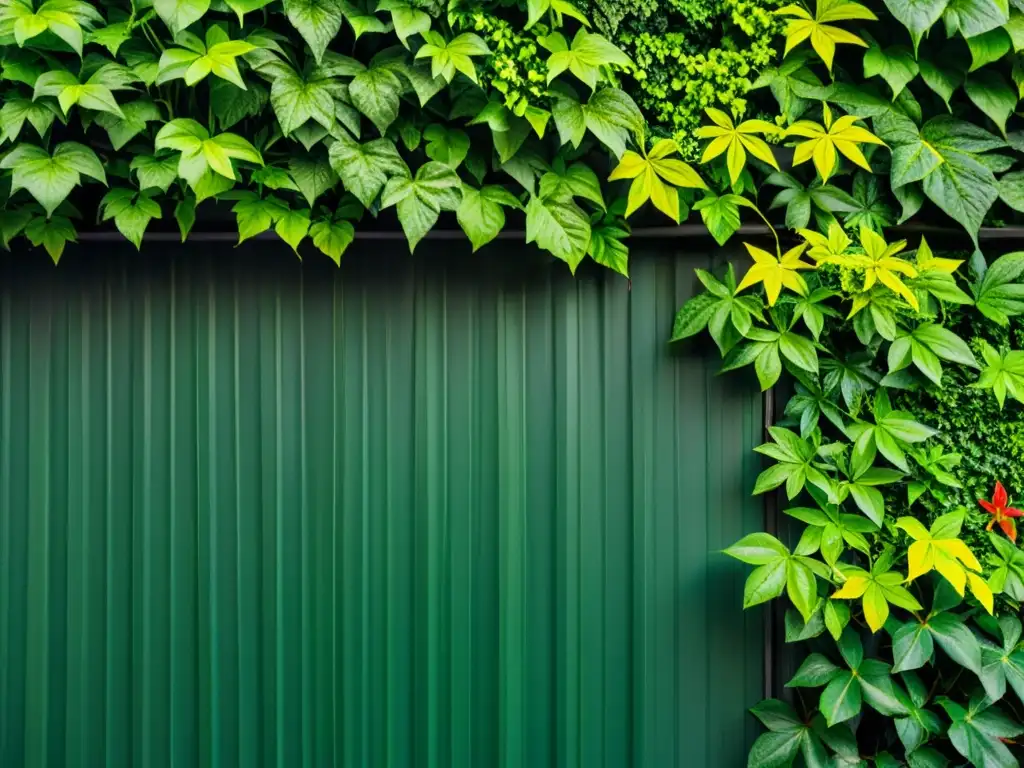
[{"x": 1001, "y": 513}]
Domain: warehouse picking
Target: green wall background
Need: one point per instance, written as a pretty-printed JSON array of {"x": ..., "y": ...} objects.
[{"x": 436, "y": 511}]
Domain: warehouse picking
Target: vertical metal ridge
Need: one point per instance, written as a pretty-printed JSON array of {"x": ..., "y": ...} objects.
[{"x": 442, "y": 515}]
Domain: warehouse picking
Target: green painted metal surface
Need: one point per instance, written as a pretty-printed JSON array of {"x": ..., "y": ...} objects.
[{"x": 416, "y": 512}]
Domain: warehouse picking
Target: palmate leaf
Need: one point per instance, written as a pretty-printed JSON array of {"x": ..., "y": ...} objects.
[
  {"x": 726, "y": 315},
  {"x": 558, "y": 225},
  {"x": 96, "y": 93},
  {"x": 180, "y": 14},
  {"x": 407, "y": 19},
  {"x": 51, "y": 233},
  {"x": 940, "y": 549},
  {"x": 876, "y": 590},
  {"x": 584, "y": 59},
  {"x": 823, "y": 142},
  {"x": 16, "y": 112},
  {"x": 656, "y": 175},
  {"x": 481, "y": 212},
  {"x": 200, "y": 153},
  {"x": 376, "y": 93},
  {"x": 420, "y": 199},
  {"x": 196, "y": 60},
  {"x": 50, "y": 179},
  {"x": 132, "y": 121},
  {"x": 131, "y": 211},
  {"x": 447, "y": 57},
  {"x": 332, "y": 236},
  {"x": 1003, "y": 373},
  {"x": 318, "y": 21},
  {"x": 978, "y": 732},
  {"x": 820, "y": 28},
  {"x": 735, "y": 141},
  {"x": 365, "y": 168},
  {"x": 776, "y": 272},
  {"x": 65, "y": 19}
]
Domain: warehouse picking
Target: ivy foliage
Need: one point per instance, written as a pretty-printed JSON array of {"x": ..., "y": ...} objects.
[
  {"x": 309, "y": 118},
  {"x": 899, "y": 454}
]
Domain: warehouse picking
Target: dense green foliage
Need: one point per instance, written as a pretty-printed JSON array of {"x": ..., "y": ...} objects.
[{"x": 901, "y": 449}]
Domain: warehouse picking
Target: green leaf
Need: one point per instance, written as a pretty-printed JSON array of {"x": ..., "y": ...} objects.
[
  {"x": 608, "y": 247},
  {"x": 376, "y": 93},
  {"x": 560, "y": 226},
  {"x": 452, "y": 56},
  {"x": 962, "y": 186},
  {"x": 420, "y": 200},
  {"x": 721, "y": 214},
  {"x": 156, "y": 172},
  {"x": 971, "y": 734},
  {"x": 989, "y": 47},
  {"x": 772, "y": 750},
  {"x": 956, "y": 640},
  {"x": 940, "y": 77},
  {"x": 992, "y": 95},
  {"x": 292, "y": 227},
  {"x": 578, "y": 180},
  {"x": 841, "y": 699},
  {"x": 918, "y": 16},
  {"x": 997, "y": 295},
  {"x": 815, "y": 671},
  {"x": 975, "y": 17},
  {"x": 589, "y": 52},
  {"x": 132, "y": 121},
  {"x": 39, "y": 114},
  {"x": 446, "y": 145},
  {"x": 912, "y": 647},
  {"x": 242, "y": 7},
  {"x": 52, "y": 233},
  {"x": 765, "y": 583},
  {"x": 296, "y": 100},
  {"x": 481, "y": 215},
  {"x": 179, "y": 14},
  {"x": 50, "y": 179},
  {"x": 131, "y": 211},
  {"x": 313, "y": 175},
  {"x": 364, "y": 169},
  {"x": 407, "y": 19},
  {"x": 332, "y": 237},
  {"x": 570, "y": 120},
  {"x": 318, "y": 21},
  {"x": 612, "y": 116},
  {"x": 185, "y": 214},
  {"x": 896, "y": 65},
  {"x": 256, "y": 215},
  {"x": 111, "y": 37}
]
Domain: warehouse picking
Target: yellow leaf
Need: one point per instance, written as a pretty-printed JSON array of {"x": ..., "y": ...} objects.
[
  {"x": 854, "y": 587},
  {"x": 655, "y": 178},
  {"x": 950, "y": 570},
  {"x": 736, "y": 141},
  {"x": 823, "y": 35},
  {"x": 876, "y": 609},
  {"x": 775, "y": 272},
  {"x": 824, "y": 140},
  {"x": 980, "y": 589},
  {"x": 920, "y": 559},
  {"x": 927, "y": 261}
]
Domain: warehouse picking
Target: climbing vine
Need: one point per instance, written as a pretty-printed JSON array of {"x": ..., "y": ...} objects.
[{"x": 897, "y": 455}]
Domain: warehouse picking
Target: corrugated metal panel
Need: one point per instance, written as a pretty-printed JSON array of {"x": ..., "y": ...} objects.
[{"x": 416, "y": 512}]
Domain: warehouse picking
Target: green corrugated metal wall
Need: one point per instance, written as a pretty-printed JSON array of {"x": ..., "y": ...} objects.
[{"x": 438, "y": 511}]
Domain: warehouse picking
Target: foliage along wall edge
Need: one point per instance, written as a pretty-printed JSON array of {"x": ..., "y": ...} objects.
[{"x": 305, "y": 116}]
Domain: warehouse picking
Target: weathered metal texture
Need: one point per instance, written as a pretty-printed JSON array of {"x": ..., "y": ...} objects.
[{"x": 431, "y": 511}]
